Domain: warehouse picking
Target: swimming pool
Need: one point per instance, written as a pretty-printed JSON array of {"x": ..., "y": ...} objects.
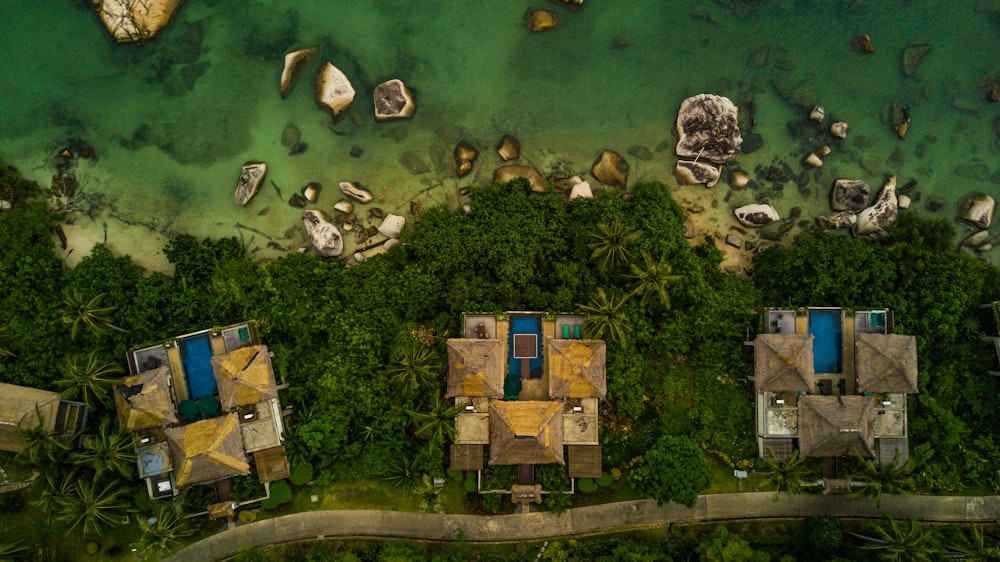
[
  {"x": 828, "y": 349},
  {"x": 525, "y": 324},
  {"x": 196, "y": 357}
]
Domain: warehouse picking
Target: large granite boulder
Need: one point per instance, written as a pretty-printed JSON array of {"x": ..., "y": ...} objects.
[
  {"x": 333, "y": 90},
  {"x": 295, "y": 62},
  {"x": 873, "y": 221},
  {"x": 979, "y": 210},
  {"x": 129, "y": 20},
  {"x": 757, "y": 215},
  {"x": 838, "y": 220},
  {"x": 506, "y": 174},
  {"x": 611, "y": 169},
  {"x": 393, "y": 100},
  {"x": 708, "y": 127},
  {"x": 251, "y": 176},
  {"x": 691, "y": 172},
  {"x": 579, "y": 190},
  {"x": 509, "y": 148},
  {"x": 392, "y": 226},
  {"x": 849, "y": 195},
  {"x": 323, "y": 234},
  {"x": 355, "y": 191}
]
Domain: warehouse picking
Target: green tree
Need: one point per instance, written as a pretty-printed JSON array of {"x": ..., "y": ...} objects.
[
  {"x": 974, "y": 546},
  {"x": 108, "y": 451},
  {"x": 606, "y": 317},
  {"x": 438, "y": 423},
  {"x": 820, "y": 537},
  {"x": 786, "y": 476},
  {"x": 900, "y": 542},
  {"x": 611, "y": 245},
  {"x": 14, "y": 550},
  {"x": 83, "y": 313},
  {"x": 87, "y": 377},
  {"x": 416, "y": 368},
  {"x": 652, "y": 278},
  {"x": 404, "y": 474},
  {"x": 94, "y": 507},
  {"x": 42, "y": 447},
  {"x": 884, "y": 478},
  {"x": 725, "y": 546},
  {"x": 169, "y": 530},
  {"x": 674, "y": 469}
]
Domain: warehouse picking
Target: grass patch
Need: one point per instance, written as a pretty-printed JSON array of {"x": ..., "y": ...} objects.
[
  {"x": 376, "y": 494},
  {"x": 723, "y": 481}
]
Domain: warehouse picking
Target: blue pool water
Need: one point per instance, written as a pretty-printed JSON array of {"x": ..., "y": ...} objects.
[
  {"x": 196, "y": 356},
  {"x": 525, "y": 324},
  {"x": 825, "y": 326}
]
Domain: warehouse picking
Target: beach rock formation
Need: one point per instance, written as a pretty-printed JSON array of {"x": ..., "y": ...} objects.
[
  {"x": 128, "y": 20},
  {"x": 505, "y": 174},
  {"x": 912, "y": 56},
  {"x": 392, "y": 226},
  {"x": 838, "y": 220},
  {"x": 509, "y": 149},
  {"x": 311, "y": 191},
  {"x": 465, "y": 156},
  {"x": 541, "y": 20},
  {"x": 979, "y": 210},
  {"x": 581, "y": 189},
  {"x": 691, "y": 172},
  {"x": 344, "y": 206},
  {"x": 813, "y": 159},
  {"x": 708, "y": 127},
  {"x": 333, "y": 90},
  {"x": 976, "y": 238},
  {"x": 251, "y": 176},
  {"x": 393, "y": 100},
  {"x": 817, "y": 114},
  {"x": 863, "y": 43},
  {"x": 295, "y": 62},
  {"x": 757, "y": 215},
  {"x": 323, "y": 234},
  {"x": 739, "y": 180},
  {"x": 873, "y": 221},
  {"x": 839, "y": 130},
  {"x": 356, "y": 192},
  {"x": 571, "y": 3},
  {"x": 611, "y": 169},
  {"x": 849, "y": 195},
  {"x": 903, "y": 201}
]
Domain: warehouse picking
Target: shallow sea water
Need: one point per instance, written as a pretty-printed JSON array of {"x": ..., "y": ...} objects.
[{"x": 173, "y": 120}]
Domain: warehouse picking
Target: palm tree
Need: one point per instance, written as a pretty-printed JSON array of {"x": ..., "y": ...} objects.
[
  {"x": 787, "y": 475},
  {"x": 605, "y": 317},
  {"x": 93, "y": 507},
  {"x": 5, "y": 338},
  {"x": 107, "y": 451},
  {"x": 901, "y": 542},
  {"x": 888, "y": 478},
  {"x": 83, "y": 313},
  {"x": 403, "y": 474},
  {"x": 652, "y": 278},
  {"x": 14, "y": 550},
  {"x": 158, "y": 537},
  {"x": 974, "y": 547},
  {"x": 42, "y": 447},
  {"x": 89, "y": 378},
  {"x": 438, "y": 424},
  {"x": 415, "y": 369},
  {"x": 58, "y": 489},
  {"x": 610, "y": 246}
]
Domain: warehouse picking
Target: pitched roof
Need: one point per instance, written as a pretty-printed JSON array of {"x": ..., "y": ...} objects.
[
  {"x": 272, "y": 464},
  {"x": 244, "y": 376},
  {"x": 529, "y": 432},
  {"x": 475, "y": 367},
  {"x": 207, "y": 450},
  {"x": 886, "y": 363},
  {"x": 18, "y": 413},
  {"x": 577, "y": 368},
  {"x": 144, "y": 400},
  {"x": 783, "y": 362},
  {"x": 834, "y": 426}
]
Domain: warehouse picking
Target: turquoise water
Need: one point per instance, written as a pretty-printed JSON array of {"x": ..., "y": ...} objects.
[
  {"x": 173, "y": 120},
  {"x": 828, "y": 350},
  {"x": 196, "y": 355},
  {"x": 525, "y": 324}
]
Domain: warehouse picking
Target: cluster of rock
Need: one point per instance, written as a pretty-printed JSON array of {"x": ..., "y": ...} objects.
[
  {"x": 979, "y": 211},
  {"x": 709, "y": 131},
  {"x": 849, "y": 200},
  {"x": 838, "y": 130}
]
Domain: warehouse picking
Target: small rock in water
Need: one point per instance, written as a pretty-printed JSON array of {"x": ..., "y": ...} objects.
[
  {"x": 509, "y": 149},
  {"x": 903, "y": 201},
  {"x": 640, "y": 152},
  {"x": 839, "y": 130},
  {"x": 738, "y": 180},
  {"x": 817, "y": 114},
  {"x": 297, "y": 201},
  {"x": 311, "y": 191},
  {"x": 541, "y": 20},
  {"x": 935, "y": 203},
  {"x": 356, "y": 151},
  {"x": 290, "y": 136},
  {"x": 299, "y": 148},
  {"x": 863, "y": 44},
  {"x": 735, "y": 241},
  {"x": 912, "y": 56},
  {"x": 413, "y": 163}
]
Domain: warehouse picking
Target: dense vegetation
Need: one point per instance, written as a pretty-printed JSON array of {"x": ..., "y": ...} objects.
[{"x": 363, "y": 347}]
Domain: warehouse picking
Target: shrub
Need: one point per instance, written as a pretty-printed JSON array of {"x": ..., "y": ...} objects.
[
  {"x": 586, "y": 485},
  {"x": 281, "y": 493},
  {"x": 605, "y": 479},
  {"x": 302, "y": 473},
  {"x": 456, "y": 475},
  {"x": 13, "y": 502},
  {"x": 492, "y": 502},
  {"x": 558, "y": 503},
  {"x": 470, "y": 483},
  {"x": 247, "y": 516}
]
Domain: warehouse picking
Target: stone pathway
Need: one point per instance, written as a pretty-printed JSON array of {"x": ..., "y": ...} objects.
[{"x": 581, "y": 521}]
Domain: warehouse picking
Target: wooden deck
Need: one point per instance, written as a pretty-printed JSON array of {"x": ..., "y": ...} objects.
[
  {"x": 848, "y": 355},
  {"x": 177, "y": 374}
]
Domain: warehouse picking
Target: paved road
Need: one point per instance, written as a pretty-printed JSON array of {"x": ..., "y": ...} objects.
[{"x": 577, "y": 522}]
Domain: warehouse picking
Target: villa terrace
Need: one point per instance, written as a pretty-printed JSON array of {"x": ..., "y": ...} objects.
[
  {"x": 833, "y": 383},
  {"x": 200, "y": 407}
]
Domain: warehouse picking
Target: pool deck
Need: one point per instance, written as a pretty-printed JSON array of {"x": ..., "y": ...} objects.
[
  {"x": 177, "y": 374},
  {"x": 538, "y": 389},
  {"x": 848, "y": 356},
  {"x": 218, "y": 344}
]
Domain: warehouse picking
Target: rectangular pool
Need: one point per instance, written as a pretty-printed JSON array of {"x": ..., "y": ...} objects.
[
  {"x": 525, "y": 324},
  {"x": 196, "y": 357},
  {"x": 828, "y": 343}
]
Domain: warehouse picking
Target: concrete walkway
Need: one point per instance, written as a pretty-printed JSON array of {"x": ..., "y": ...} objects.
[{"x": 581, "y": 521}]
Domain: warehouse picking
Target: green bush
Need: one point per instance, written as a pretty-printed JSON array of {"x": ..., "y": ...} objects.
[
  {"x": 587, "y": 485},
  {"x": 470, "y": 483},
  {"x": 281, "y": 493},
  {"x": 302, "y": 473},
  {"x": 456, "y": 475},
  {"x": 13, "y": 502},
  {"x": 247, "y": 516},
  {"x": 604, "y": 480},
  {"x": 492, "y": 502}
]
